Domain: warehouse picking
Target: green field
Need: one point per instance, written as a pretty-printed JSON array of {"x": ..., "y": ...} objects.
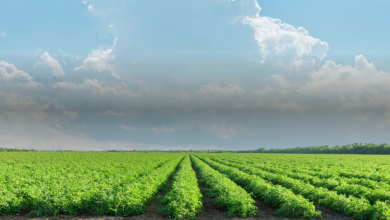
[{"x": 124, "y": 184}]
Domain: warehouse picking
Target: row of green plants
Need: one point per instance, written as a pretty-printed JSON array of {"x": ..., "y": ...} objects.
[
  {"x": 132, "y": 197},
  {"x": 375, "y": 168},
  {"x": 184, "y": 199},
  {"x": 330, "y": 171},
  {"x": 333, "y": 178},
  {"x": 358, "y": 208},
  {"x": 68, "y": 183},
  {"x": 225, "y": 193},
  {"x": 340, "y": 185},
  {"x": 287, "y": 203}
]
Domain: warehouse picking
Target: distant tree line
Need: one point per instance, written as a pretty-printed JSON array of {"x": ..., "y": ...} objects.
[
  {"x": 345, "y": 149},
  {"x": 172, "y": 151},
  {"x": 31, "y": 150},
  {"x": 15, "y": 150}
]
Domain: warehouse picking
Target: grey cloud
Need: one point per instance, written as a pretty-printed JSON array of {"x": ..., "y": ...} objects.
[
  {"x": 112, "y": 112},
  {"x": 161, "y": 129},
  {"x": 94, "y": 86}
]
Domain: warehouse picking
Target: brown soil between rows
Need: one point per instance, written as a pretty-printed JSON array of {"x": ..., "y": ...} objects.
[{"x": 210, "y": 211}]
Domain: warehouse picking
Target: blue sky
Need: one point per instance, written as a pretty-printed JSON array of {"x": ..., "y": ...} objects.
[{"x": 219, "y": 74}]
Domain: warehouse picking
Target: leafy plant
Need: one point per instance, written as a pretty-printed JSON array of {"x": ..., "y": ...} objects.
[
  {"x": 184, "y": 200},
  {"x": 225, "y": 192},
  {"x": 288, "y": 204}
]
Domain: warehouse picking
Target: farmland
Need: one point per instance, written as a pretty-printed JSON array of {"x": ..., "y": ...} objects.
[{"x": 185, "y": 186}]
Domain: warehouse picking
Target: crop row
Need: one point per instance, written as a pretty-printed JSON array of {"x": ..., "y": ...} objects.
[
  {"x": 53, "y": 184},
  {"x": 341, "y": 186},
  {"x": 331, "y": 174},
  {"x": 184, "y": 199},
  {"x": 359, "y": 208},
  {"x": 132, "y": 198},
  {"x": 362, "y": 168},
  {"x": 288, "y": 204},
  {"x": 225, "y": 192}
]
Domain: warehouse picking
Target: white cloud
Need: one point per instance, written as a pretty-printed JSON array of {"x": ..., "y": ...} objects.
[
  {"x": 359, "y": 86},
  {"x": 52, "y": 63},
  {"x": 10, "y": 74},
  {"x": 332, "y": 86},
  {"x": 3, "y": 34},
  {"x": 94, "y": 86},
  {"x": 90, "y": 7},
  {"x": 161, "y": 129},
  {"x": 99, "y": 60},
  {"x": 277, "y": 38},
  {"x": 111, "y": 25},
  {"x": 112, "y": 112},
  {"x": 84, "y": 2}
]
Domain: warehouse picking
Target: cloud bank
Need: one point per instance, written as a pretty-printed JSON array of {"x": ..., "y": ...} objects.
[{"x": 188, "y": 89}]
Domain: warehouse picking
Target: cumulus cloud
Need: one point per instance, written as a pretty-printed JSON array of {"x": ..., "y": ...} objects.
[
  {"x": 90, "y": 7},
  {"x": 10, "y": 74},
  {"x": 3, "y": 34},
  {"x": 95, "y": 87},
  {"x": 292, "y": 46},
  {"x": 354, "y": 86},
  {"x": 49, "y": 61},
  {"x": 99, "y": 60},
  {"x": 112, "y": 112}
]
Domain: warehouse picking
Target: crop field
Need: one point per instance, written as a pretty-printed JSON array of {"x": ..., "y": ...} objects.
[{"x": 186, "y": 186}]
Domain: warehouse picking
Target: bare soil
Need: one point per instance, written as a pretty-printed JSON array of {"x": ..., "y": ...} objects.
[{"x": 210, "y": 211}]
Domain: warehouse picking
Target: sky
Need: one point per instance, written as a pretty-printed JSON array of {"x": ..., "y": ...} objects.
[{"x": 197, "y": 74}]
